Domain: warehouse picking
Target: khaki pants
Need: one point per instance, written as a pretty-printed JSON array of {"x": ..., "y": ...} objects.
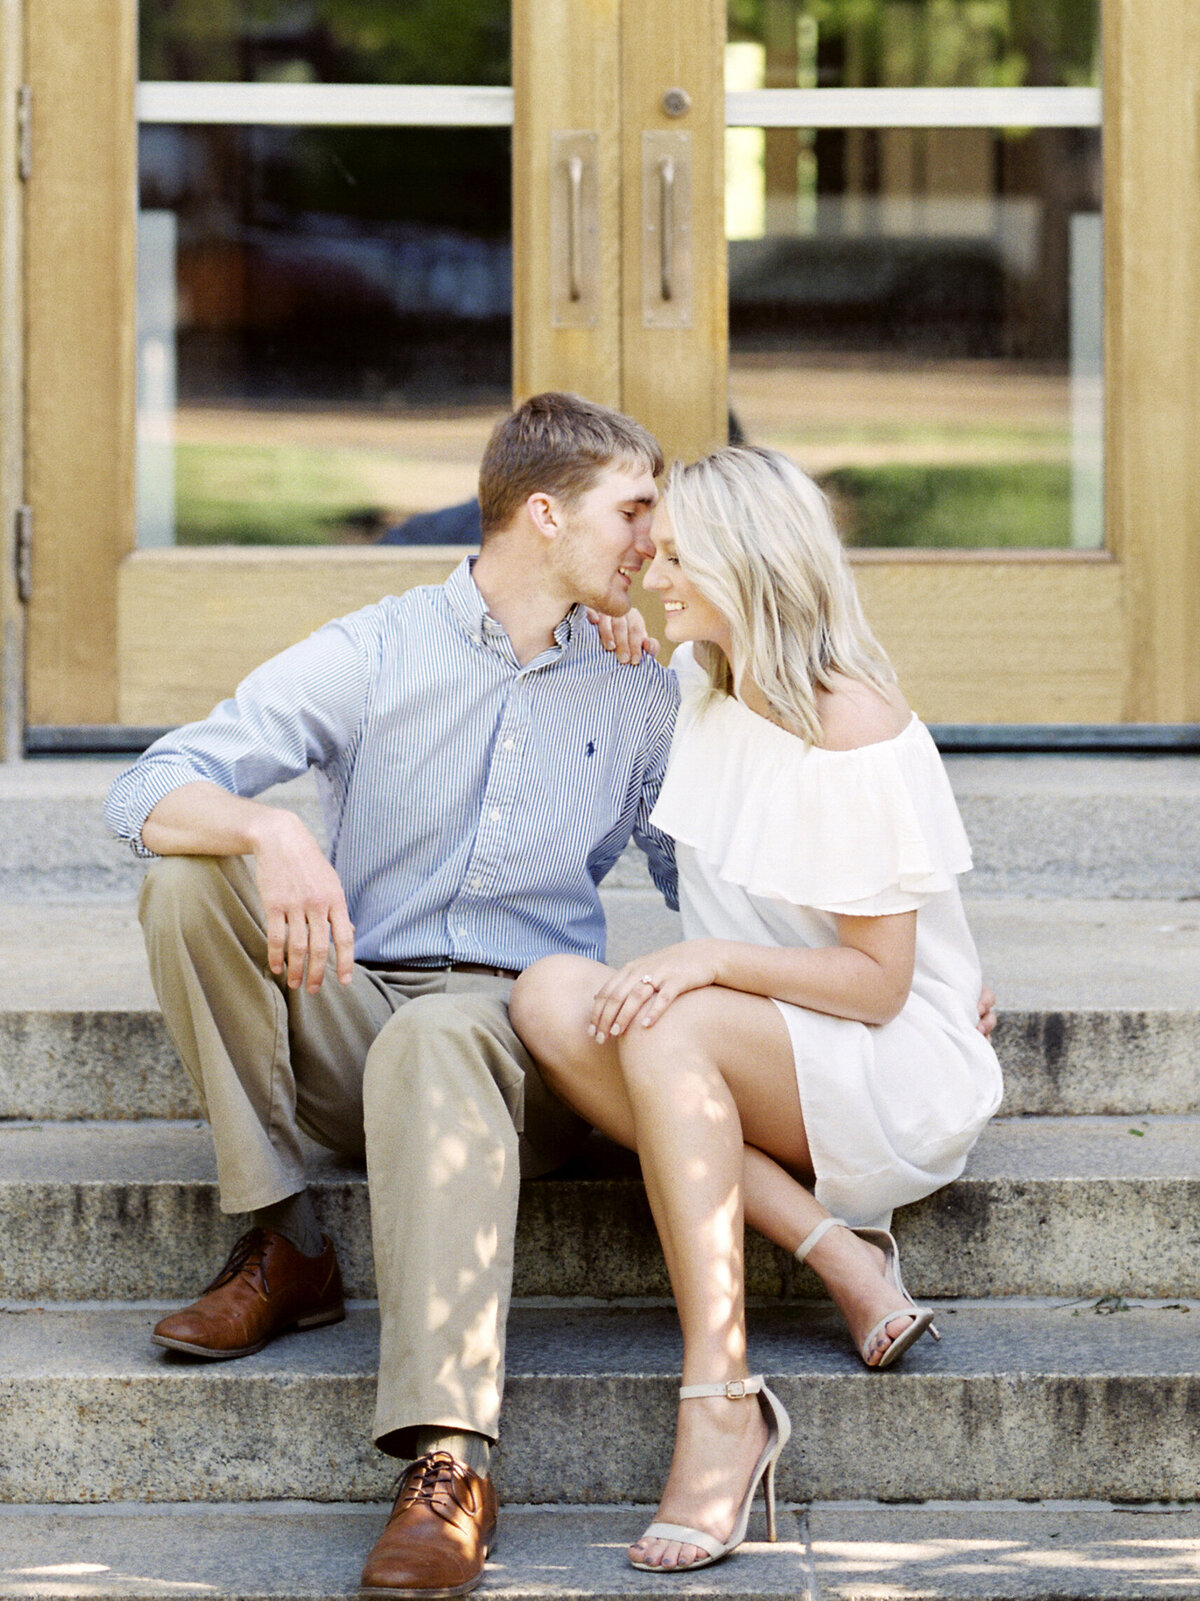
[{"x": 419, "y": 1071}]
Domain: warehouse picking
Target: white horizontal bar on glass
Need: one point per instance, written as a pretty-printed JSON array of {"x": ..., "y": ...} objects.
[
  {"x": 374, "y": 105},
  {"x": 380, "y": 105},
  {"x": 913, "y": 108}
]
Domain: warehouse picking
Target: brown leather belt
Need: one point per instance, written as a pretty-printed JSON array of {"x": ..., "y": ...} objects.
[{"x": 443, "y": 967}]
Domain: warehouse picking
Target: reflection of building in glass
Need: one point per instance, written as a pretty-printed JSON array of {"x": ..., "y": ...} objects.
[{"x": 306, "y": 268}]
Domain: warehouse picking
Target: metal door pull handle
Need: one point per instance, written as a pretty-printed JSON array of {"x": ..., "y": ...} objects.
[
  {"x": 574, "y": 226},
  {"x": 666, "y": 224},
  {"x": 666, "y": 254}
]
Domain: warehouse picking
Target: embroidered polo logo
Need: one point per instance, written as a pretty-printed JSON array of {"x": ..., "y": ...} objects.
[{"x": 591, "y": 749}]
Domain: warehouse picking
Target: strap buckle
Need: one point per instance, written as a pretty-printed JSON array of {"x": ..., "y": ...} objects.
[{"x": 735, "y": 1390}]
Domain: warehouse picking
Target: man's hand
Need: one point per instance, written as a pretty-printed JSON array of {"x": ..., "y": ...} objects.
[
  {"x": 304, "y": 902},
  {"x": 300, "y": 891},
  {"x": 627, "y": 636},
  {"x": 987, "y": 1012}
]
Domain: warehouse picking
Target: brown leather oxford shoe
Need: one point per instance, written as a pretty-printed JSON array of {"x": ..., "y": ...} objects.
[
  {"x": 439, "y": 1534},
  {"x": 267, "y": 1287}
]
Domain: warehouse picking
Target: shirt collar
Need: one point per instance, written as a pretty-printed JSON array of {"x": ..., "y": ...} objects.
[{"x": 470, "y": 609}]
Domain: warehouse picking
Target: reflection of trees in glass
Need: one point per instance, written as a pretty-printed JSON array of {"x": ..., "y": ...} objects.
[
  {"x": 973, "y": 43},
  {"x": 333, "y": 41},
  {"x": 1012, "y": 190}
]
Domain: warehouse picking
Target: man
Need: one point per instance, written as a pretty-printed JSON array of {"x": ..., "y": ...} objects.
[{"x": 482, "y": 764}]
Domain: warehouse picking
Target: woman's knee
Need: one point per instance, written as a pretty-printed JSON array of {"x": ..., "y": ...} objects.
[
  {"x": 549, "y": 1002},
  {"x": 679, "y": 1042}
]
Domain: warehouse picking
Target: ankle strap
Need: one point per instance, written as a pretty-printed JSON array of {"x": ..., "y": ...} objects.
[
  {"x": 732, "y": 1389},
  {"x": 818, "y": 1234}
]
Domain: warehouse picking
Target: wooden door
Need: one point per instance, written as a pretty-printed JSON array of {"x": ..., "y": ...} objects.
[
  {"x": 1105, "y": 635},
  {"x": 619, "y": 117}
]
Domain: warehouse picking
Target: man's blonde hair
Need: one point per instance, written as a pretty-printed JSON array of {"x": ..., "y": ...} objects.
[
  {"x": 756, "y": 537},
  {"x": 558, "y": 444}
]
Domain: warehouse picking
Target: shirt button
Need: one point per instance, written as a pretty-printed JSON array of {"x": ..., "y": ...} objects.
[
  {"x": 494, "y": 814},
  {"x": 476, "y": 883},
  {"x": 510, "y": 744}
]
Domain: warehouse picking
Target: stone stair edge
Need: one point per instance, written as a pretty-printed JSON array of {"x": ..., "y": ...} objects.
[
  {"x": 118, "y": 1062},
  {"x": 1050, "y": 1205},
  {"x": 591, "y": 1403},
  {"x": 1040, "y": 825},
  {"x": 313, "y": 1551}
]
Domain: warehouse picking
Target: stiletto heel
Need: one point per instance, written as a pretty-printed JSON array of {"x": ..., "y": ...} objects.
[
  {"x": 921, "y": 1316},
  {"x": 779, "y": 1430},
  {"x": 769, "y": 1493}
]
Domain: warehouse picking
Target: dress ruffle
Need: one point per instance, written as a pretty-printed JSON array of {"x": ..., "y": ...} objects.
[{"x": 864, "y": 832}]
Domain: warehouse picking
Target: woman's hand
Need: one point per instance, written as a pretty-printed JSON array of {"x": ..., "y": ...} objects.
[
  {"x": 642, "y": 990},
  {"x": 987, "y": 1011}
]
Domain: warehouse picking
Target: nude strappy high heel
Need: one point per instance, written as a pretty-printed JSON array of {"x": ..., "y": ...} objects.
[
  {"x": 921, "y": 1316},
  {"x": 779, "y": 1427}
]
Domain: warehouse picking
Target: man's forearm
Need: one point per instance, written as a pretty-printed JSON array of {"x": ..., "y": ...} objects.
[{"x": 202, "y": 819}]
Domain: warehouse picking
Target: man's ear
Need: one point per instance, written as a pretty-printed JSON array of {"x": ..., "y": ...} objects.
[{"x": 544, "y": 514}]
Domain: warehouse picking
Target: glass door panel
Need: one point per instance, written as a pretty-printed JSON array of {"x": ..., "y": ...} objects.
[
  {"x": 914, "y": 222},
  {"x": 325, "y": 328},
  {"x": 324, "y": 305},
  {"x": 915, "y": 264}
]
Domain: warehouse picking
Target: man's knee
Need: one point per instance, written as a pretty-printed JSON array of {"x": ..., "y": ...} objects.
[
  {"x": 178, "y": 889},
  {"x": 438, "y": 1041},
  {"x": 202, "y": 910}
]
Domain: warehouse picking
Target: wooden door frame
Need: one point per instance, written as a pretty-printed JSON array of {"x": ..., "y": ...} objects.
[
  {"x": 972, "y": 633},
  {"x": 12, "y": 383},
  {"x": 1152, "y": 335},
  {"x": 80, "y": 306}
]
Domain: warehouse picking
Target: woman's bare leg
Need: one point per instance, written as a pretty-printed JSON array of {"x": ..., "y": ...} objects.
[
  {"x": 674, "y": 1094},
  {"x": 688, "y": 1136},
  {"x": 550, "y": 1007}
]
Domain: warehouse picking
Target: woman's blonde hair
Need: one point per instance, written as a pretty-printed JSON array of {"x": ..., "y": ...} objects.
[{"x": 756, "y": 537}]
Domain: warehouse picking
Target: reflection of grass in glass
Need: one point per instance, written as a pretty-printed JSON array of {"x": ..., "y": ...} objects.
[
  {"x": 1026, "y": 505},
  {"x": 295, "y": 495},
  {"x": 269, "y": 495},
  {"x": 991, "y": 440}
]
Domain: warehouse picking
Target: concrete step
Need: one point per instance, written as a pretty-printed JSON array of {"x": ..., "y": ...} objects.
[
  {"x": 78, "y": 955},
  {"x": 1026, "y": 1400},
  {"x": 949, "y": 1551},
  {"x": 119, "y": 1063},
  {"x": 1098, "y": 1000},
  {"x": 1125, "y": 827},
  {"x": 56, "y": 842},
  {"x": 1047, "y": 1206},
  {"x": 1087, "y": 826}
]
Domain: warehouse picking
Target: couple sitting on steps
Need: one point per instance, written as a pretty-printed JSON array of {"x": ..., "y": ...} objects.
[{"x": 432, "y": 994}]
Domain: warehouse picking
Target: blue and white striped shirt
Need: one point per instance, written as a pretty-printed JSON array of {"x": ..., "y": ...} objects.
[{"x": 472, "y": 805}]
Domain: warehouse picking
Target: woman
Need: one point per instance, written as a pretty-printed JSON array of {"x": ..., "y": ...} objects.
[{"x": 808, "y": 1056}]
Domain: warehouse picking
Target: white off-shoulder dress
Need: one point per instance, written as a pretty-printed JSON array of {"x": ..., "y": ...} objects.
[{"x": 773, "y": 838}]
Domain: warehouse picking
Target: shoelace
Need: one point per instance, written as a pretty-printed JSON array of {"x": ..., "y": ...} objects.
[
  {"x": 247, "y": 1252},
  {"x": 433, "y": 1480}
]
